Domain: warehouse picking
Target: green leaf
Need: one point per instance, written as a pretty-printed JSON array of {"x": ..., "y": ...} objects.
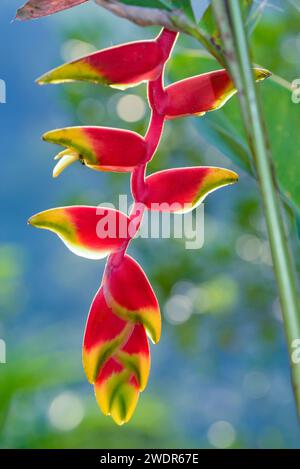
[
  {"x": 297, "y": 218},
  {"x": 184, "y": 5},
  {"x": 163, "y": 4},
  {"x": 208, "y": 24},
  {"x": 225, "y": 131},
  {"x": 283, "y": 126},
  {"x": 216, "y": 132}
]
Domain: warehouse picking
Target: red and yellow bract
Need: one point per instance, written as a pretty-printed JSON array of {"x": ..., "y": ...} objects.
[
  {"x": 203, "y": 93},
  {"x": 79, "y": 228},
  {"x": 182, "y": 189},
  {"x": 120, "y": 66},
  {"x": 99, "y": 148},
  {"x": 128, "y": 292}
]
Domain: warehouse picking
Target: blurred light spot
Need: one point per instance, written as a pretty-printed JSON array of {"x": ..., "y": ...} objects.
[
  {"x": 221, "y": 434},
  {"x": 249, "y": 248},
  {"x": 202, "y": 301},
  {"x": 178, "y": 309},
  {"x": 66, "y": 411},
  {"x": 256, "y": 385},
  {"x": 75, "y": 49},
  {"x": 131, "y": 108},
  {"x": 90, "y": 111},
  {"x": 217, "y": 296},
  {"x": 186, "y": 288},
  {"x": 192, "y": 293}
]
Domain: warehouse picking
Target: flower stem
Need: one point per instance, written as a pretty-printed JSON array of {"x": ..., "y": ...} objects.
[{"x": 229, "y": 17}]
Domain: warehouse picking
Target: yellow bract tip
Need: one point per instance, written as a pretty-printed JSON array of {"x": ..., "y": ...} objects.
[{"x": 261, "y": 73}]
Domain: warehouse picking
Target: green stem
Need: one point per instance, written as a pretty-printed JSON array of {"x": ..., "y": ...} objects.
[{"x": 229, "y": 17}]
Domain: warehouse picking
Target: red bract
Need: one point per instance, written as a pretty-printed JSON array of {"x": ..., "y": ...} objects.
[
  {"x": 120, "y": 67},
  {"x": 91, "y": 232},
  {"x": 115, "y": 350},
  {"x": 105, "y": 333},
  {"x": 129, "y": 294},
  {"x": 182, "y": 189},
  {"x": 202, "y": 93},
  {"x": 99, "y": 148}
]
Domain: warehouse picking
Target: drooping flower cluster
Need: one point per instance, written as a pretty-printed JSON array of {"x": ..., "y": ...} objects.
[{"x": 125, "y": 310}]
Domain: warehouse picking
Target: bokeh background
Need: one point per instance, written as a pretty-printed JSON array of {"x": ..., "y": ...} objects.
[{"x": 220, "y": 375}]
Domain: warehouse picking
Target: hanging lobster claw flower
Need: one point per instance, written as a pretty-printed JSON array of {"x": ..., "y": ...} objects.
[
  {"x": 128, "y": 293},
  {"x": 37, "y": 8},
  {"x": 99, "y": 148},
  {"x": 90, "y": 232},
  {"x": 180, "y": 190},
  {"x": 202, "y": 93},
  {"x": 120, "y": 67},
  {"x": 116, "y": 359}
]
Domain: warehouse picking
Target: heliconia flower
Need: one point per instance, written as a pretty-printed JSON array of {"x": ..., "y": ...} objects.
[
  {"x": 116, "y": 359},
  {"x": 202, "y": 93},
  {"x": 37, "y": 8},
  {"x": 182, "y": 189},
  {"x": 120, "y": 67},
  {"x": 116, "y": 354},
  {"x": 99, "y": 148},
  {"x": 90, "y": 232},
  {"x": 128, "y": 293}
]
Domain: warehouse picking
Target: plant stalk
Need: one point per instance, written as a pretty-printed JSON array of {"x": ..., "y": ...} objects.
[{"x": 229, "y": 17}]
